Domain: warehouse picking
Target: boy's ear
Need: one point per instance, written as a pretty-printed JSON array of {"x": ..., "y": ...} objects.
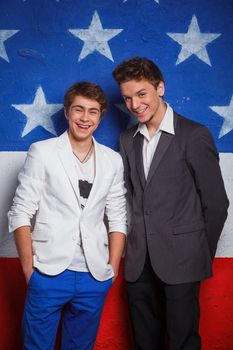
[
  {"x": 161, "y": 89},
  {"x": 65, "y": 113}
]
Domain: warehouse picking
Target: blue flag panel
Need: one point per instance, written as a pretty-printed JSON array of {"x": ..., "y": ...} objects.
[{"x": 46, "y": 45}]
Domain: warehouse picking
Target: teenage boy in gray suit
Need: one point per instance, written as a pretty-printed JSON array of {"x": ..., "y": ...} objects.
[{"x": 178, "y": 208}]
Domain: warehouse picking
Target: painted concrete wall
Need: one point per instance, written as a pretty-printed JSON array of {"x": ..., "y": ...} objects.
[
  {"x": 11, "y": 162},
  {"x": 46, "y": 45}
]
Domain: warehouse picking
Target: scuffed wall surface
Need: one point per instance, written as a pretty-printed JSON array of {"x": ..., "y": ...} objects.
[
  {"x": 11, "y": 162},
  {"x": 216, "y": 324},
  {"x": 46, "y": 45}
]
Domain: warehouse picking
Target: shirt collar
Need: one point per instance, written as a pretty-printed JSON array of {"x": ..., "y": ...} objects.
[{"x": 167, "y": 124}]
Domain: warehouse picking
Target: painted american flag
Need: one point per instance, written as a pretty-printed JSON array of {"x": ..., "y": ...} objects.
[{"x": 46, "y": 45}]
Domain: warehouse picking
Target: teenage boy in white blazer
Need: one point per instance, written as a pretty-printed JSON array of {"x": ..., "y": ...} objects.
[{"x": 68, "y": 185}]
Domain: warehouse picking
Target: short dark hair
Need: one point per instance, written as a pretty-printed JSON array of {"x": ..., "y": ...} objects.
[
  {"x": 86, "y": 89},
  {"x": 138, "y": 68}
]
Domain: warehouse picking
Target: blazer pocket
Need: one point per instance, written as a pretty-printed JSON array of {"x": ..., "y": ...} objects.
[{"x": 188, "y": 228}]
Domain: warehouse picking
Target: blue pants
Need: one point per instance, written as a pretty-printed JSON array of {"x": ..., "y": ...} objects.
[{"x": 76, "y": 296}]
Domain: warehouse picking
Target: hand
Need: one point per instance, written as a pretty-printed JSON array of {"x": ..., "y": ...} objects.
[
  {"x": 115, "y": 270},
  {"x": 28, "y": 274}
]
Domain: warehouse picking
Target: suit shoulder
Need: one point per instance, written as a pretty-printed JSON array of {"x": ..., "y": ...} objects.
[
  {"x": 43, "y": 148},
  {"x": 127, "y": 136},
  {"x": 109, "y": 152},
  {"x": 44, "y": 144},
  {"x": 190, "y": 127},
  {"x": 129, "y": 132}
]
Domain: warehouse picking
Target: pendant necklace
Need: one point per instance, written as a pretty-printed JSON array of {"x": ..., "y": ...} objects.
[{"x": 86, "y": 156}]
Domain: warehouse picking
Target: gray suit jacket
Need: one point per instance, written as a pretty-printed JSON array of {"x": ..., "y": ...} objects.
[{"x": 178, "y": 213}]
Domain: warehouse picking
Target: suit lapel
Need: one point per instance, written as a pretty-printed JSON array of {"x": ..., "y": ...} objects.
[
  {"x": 138, "y": 144},
  {"x": 164, "y": 142},
  {"x": 98, "y": 175},
  {"x": 66, "y": 157}
]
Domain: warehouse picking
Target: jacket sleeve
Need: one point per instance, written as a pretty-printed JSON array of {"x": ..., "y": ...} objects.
[
  {"x": 27, "y": 196},
  {"x": 116, "y": 201},
  {"x": 127, "y": 179},
  {"x": 203, "y": 161}
]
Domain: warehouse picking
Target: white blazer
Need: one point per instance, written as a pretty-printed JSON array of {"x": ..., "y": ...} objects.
[{"x": 48, "y": 187}]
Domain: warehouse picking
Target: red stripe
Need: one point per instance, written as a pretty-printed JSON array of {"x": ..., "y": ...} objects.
[{"x": 216, "y": 309}]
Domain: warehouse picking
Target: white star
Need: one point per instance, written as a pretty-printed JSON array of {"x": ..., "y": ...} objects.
[
  {"x": 226, "y": 112},
  {"x": 95, "y": 38},
  {"x": 39, "y": 113},
  {"x": 4, "y": 35},
  {"x": 193, "y": 42}
]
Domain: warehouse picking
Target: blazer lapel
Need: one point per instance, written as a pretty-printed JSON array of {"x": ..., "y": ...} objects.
[
  {"x": 66, "y": 157},
  {"x": 138, "y": 144},
  {"x": 98, "y": 176},
  {"x": 164, "y": 142}
]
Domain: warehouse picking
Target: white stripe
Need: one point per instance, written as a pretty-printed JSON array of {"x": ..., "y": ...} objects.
[
  {"x": 225, "y": 244},
  {"x": 11, "y": 162}
]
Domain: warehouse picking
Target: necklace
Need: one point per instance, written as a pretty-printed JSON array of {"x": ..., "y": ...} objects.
[{"x": 86, "y": 157}]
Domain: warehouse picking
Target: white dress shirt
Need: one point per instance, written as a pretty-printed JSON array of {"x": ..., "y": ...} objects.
[
  {"x": 150, "y": 143},
  {"x": 85, "y": 173}
]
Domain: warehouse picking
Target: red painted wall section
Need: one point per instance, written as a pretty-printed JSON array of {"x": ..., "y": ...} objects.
[{"x": 216, "y": 324}]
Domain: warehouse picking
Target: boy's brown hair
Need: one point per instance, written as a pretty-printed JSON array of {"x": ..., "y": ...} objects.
[
  {"x": 138, "y": 68},
  {"x": 86, "y": 89}
]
